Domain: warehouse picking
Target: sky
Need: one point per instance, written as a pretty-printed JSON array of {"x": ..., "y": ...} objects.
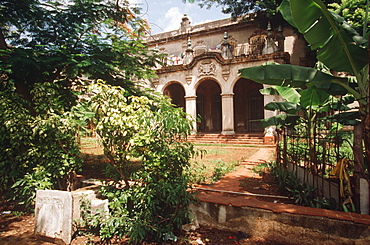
[{"x": 166, "y": 15}]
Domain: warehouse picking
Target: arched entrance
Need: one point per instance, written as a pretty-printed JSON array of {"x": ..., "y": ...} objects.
[
  {"x": 176, "y": 92},
  {"x": 209, "y": 106},
  {"x": 248, "y": 106}
]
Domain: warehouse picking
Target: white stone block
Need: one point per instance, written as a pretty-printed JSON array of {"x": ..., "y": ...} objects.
[{"x": 53, "y": 216}]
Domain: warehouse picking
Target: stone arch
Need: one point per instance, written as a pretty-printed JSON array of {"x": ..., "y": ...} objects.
[
  {"x": 208, "y": 106},
  {"x": 176, "y": 92},
  {"x": 248, "y": 106}
]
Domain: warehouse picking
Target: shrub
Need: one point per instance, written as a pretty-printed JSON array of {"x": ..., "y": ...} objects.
[{"x": 152, "y": 202}]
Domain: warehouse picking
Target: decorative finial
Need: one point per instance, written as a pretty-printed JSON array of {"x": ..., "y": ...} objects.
[{"x": 269, "y": 26}]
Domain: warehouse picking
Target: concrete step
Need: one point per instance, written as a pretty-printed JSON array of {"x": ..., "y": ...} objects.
[{"x": 236, "y": 139}]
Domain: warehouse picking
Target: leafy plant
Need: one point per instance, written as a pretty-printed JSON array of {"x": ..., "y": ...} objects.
[
  {"x": 25, "y": 188},
  {"x": 151, "y": 201},
  {"x": 262, "y": 167},
  {"x": 36, "y": 148},
  {"x": 303, "y": 193},
  {"x": 338, "y": 46},
  {"x": 221, "y": 169}
]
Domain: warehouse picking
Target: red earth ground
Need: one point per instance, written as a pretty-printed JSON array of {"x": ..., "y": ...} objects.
[{"x": 19, "y": 229}]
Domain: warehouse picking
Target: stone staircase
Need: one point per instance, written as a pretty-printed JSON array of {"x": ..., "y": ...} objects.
[{"x": 236, "y": 139}]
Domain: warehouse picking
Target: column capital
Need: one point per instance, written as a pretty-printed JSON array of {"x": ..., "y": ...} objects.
[
  {"x": 191, "y": 97},
  {"x": 227, "y": 95}
]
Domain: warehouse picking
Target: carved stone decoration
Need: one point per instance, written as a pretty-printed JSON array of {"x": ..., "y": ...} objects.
[
  {"x": 207, "y": 68},
  {"x": 155, "y": 82},
  {"x": 188, "y": 79},
  {"x": 226, "y": 72},
  {"x": 200, "y": 47},
  {"x": 257, "y": 42}
]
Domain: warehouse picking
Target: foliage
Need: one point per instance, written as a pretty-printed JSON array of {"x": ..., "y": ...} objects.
[
  {"x": 264, "y": 11},
  {"x": 354, "y": 12},
  {"x": 338, "y": 46},
  {"x": 303, "y": 193},
  {"x": 48, "y": 50},
  {"x": 39, "y": 151},
  {"x": 153, "y": 201},
  {"x": 237, "y": 8},
  {"x": 221, "y": 169},
  {"x": 89, "y": 223},
  {"x": 71, "y": 43},
  {"x": 25, "y": 188}
]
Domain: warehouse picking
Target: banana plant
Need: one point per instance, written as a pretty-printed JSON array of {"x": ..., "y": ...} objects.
[
  {"x": 310, "y": 102},
  {"x": 338, "y": 46}
]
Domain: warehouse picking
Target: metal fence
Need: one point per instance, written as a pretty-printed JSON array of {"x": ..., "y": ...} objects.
[{"x": 312, "y": 158}]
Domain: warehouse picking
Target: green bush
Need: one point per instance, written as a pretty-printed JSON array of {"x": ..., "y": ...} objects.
[
  {"x": 151, "y": 202},
  {"x": 36, "y": 148},
  {"x": 303, "y": 193}
]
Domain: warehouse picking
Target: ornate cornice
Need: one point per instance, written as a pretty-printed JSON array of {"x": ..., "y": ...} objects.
[{"x": 282, "y": 58}]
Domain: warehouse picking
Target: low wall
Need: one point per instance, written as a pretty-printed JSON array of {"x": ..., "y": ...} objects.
[{"x": 281, "y": 228}]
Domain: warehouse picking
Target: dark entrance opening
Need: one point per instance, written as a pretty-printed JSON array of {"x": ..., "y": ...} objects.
[
  {"x": 209, "y": 107},
  {"x": 248, "y": 106},
  {"x": 176, "y": 92}
]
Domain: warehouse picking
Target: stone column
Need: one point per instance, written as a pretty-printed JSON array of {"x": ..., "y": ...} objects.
[
  {"x": 269, "y": 133},
  {"x": 227, "y": 114},
  {"x": 191, "y": 109}
]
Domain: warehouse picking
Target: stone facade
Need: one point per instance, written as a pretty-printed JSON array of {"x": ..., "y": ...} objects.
[{"x": 201, "y": 71}]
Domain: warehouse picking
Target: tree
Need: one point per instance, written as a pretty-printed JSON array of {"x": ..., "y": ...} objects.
[
  {"x": 240, "y": 7},
  {"x": 338, "y": 46},
  {"x": 352, "y": 10},
  {"x": 71, "y": 42},
  {"x": 265, "y": 11},
  {"x": 48, "y": 50},
  {"x": 145, "y": 141}
]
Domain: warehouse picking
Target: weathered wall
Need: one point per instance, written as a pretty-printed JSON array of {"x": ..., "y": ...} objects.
[{"x": 283, "y": 228}]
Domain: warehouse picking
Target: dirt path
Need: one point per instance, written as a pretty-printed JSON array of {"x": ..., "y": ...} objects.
[
  {"x": 231, "y": 181},
  {"x": 245, "y": 183}
]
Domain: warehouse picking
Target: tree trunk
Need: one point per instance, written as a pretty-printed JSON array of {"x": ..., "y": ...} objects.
[
  {"x": 358, "y": 163},
  {"x": 2, "y": 41},
  {"x": 24, "y": 91},
  {"x": 366, "y": 138}
]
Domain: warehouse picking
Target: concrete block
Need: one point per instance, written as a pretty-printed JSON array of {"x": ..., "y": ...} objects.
[
  {"x": 100, "y": 206},
  {"x": 77, "y": 197},
  {"x": 364, "y": 197},
  {"x": 53, "y": 216}
]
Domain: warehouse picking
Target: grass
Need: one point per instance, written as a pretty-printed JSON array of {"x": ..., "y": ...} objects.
[
  {"x": 216, "y": 162},
  {"x": 207, "y": 168}
]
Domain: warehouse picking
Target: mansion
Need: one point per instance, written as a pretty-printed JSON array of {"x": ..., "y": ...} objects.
[{"x": 201, "y": 75}]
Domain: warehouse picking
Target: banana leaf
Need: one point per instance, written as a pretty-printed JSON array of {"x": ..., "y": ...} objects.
[
  {"x": 295, "y": 77},
  {"x": 338, "y": 45},
  {"x": 286, "y": 120},
  {"x": 285, "y": 106},
  {"x": 313, "y": 97}
]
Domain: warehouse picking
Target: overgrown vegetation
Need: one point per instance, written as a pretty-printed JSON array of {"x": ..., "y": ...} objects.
[
  {"x": 49, "y": 50},
  {"x": 207, "y": 168},
  {"x": 288, "y": 184},
  {"x": 39, "y": 152},
  {"x": 149, "y": 157},
  {"x": 317, "y": 98}
]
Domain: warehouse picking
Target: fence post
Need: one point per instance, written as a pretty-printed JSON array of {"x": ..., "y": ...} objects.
[
  {"x": 284, "y": 148},
  {"x": 358, "y": 164}
]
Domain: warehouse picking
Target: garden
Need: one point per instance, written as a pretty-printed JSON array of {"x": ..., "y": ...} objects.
[{"x": 79, "y": 69}]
